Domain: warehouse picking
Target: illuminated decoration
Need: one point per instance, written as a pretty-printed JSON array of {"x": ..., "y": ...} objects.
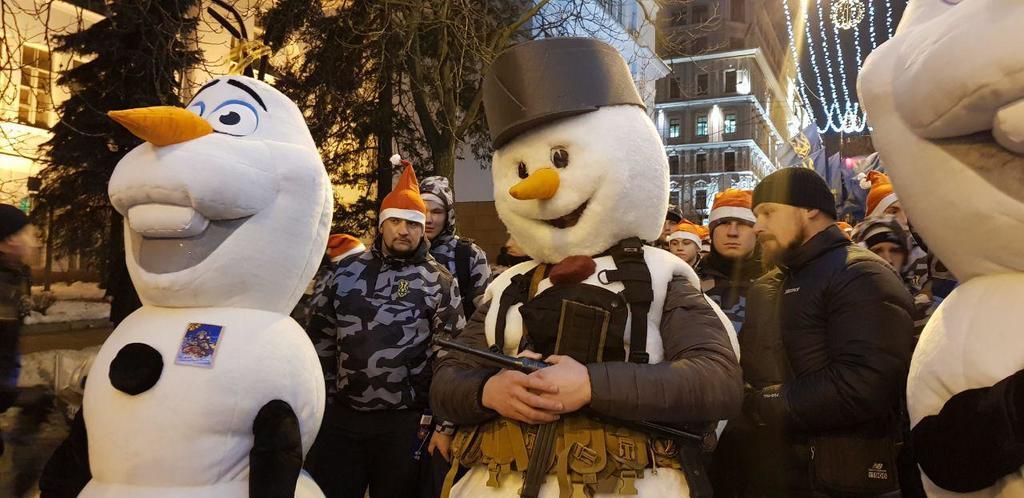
[
  {"x": 829, "y": 41},
  {"x": 847, "y": 13}
]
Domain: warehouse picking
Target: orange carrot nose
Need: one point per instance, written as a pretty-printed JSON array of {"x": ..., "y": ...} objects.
[
  {"x": 541, "y": 184},
  {"x": 162, "y": 125}
]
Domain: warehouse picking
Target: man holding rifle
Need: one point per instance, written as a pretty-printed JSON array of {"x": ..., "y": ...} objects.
[{"x": 580, "y": 179}]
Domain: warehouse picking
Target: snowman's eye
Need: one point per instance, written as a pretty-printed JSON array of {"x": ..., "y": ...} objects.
[
  {"x": 237, "y": 118},
  {"x": 559, "y": 157},
  {"x": 523, "y": 173},
  {"x": 198, "y": 108}
]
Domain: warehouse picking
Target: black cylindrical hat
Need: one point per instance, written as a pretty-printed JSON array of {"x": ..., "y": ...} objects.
[
  {"x": 537, "y": 82},
  {"x": 800, "y": 187}
]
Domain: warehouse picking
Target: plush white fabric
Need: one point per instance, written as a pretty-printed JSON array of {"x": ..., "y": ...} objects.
[
  {"x": 948, "y": 72},
  {"x": 266, "y": 199},
  {"x": 193, "y": 429},
  {"x": 274, "y": 177},
  {"x": 617, "y": 165},
  {"x": 666, "y": 483}
]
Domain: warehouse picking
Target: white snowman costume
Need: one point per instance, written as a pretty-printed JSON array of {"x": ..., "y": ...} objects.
[
  {"x": 615, "y": 187},
  {"x": 223, "y": 231},
  {"x": 953, "y": 73}
]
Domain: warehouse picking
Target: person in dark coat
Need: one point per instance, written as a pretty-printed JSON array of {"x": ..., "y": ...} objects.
[
  {"x": 13, "y": 287},
  {"x": 826, "y": 350}
]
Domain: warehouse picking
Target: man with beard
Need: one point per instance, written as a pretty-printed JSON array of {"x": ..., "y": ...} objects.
[
  {"x": 372, "y": 323},
  {"x": 826, "y": 346}
]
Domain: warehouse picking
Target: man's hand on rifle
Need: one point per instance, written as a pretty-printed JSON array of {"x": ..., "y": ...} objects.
[
  {"x": 572, "y": 380},
  {"x": 517, "y": 396}
]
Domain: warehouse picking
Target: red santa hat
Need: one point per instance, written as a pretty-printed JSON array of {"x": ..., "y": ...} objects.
[
  {"x": 343, "y": 245},
  {"x": 732, "y": 203},
  {"x": 880, "y": 196},
  {"x": 686, "y": 231},
  {"x": 404, "y": 201}
]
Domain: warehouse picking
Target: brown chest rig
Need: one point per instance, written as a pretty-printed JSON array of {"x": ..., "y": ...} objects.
[{"x": 588, "y": 323}]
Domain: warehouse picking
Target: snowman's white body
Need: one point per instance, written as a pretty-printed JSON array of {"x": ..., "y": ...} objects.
[
  {"x": 663, "y": 267},
  {"x": 205, "y": 415},
  {"x": 971, "y": 341},
  {"x": 223, "y": 229}
]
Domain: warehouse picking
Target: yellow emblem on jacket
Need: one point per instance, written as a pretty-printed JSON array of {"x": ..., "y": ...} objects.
[{"x": 403, "y": 288}]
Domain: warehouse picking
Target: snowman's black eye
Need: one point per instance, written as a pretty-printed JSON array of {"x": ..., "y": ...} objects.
[
  {"x": 230, "y": 119},
  {"x": 523, "y": 173},
  {"x": 559, "y": 157}
]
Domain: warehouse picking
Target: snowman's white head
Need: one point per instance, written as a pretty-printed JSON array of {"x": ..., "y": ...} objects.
[
  {"x": 227, "y": 204},
  {"x": 945, "y": 98},
  {"x": 580, "y": 184}
]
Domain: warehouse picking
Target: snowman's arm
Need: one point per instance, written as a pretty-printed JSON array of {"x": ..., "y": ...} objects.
[
  {"x": 699, "y": 381},
  {"x": 976, "y": 439},
  {"x": 67, "y": 472},
  {"x": 276, "y": 456},
  {"x": 456, "y": 392}
]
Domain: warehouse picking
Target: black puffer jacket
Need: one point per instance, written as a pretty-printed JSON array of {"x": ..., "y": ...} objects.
[{"x": 844, "y": 319}]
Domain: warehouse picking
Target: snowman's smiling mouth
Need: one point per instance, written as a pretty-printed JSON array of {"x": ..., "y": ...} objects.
[
  {"x": 169, "y": 239},
  {"x": 569, "y": 220}
]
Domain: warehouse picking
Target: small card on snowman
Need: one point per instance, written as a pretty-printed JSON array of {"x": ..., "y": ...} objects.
[{"x": 199, "y": 346}]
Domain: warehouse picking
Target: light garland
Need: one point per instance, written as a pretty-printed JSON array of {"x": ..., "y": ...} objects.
[{"x": 840, "y": 113}]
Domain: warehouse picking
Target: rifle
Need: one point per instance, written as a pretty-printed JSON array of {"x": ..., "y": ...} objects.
[{"x": 528, "y": 365}]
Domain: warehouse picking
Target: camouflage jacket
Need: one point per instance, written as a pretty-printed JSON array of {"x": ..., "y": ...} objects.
[
  {"x": 372, "y": 323},
  {"x": 726, "y": 282},
  {"x": 442, "y": 248}
]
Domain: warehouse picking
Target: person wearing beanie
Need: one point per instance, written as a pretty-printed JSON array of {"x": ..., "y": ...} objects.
[
  {"x": 826, "y": 343},
  {"x": 14, "y": 283},
  {"x": 372, "y": 321},
  {"x": 881, "y": 199},
  {"x": 672, "y": 218},
  {"x": 685, "y": 241}
]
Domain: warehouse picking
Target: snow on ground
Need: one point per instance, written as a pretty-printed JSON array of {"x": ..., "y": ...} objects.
[
  {"x": 69, "y": 311},
  {"x": 85, "y": 291}
]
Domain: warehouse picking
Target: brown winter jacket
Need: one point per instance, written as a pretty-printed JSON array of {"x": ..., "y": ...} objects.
[{"x": 699, "y": 381}]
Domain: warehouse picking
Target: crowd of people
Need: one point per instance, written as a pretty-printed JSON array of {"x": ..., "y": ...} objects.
[{"x": 826, "y": 316}]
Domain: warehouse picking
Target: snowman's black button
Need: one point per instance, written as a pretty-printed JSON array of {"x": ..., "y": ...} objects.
[{"x": 136, "y": 368}]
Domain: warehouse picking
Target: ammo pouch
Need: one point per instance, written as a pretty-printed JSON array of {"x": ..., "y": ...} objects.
[
  {"x": 854, "y": 465},
  {"x": 590, "y": 457}
]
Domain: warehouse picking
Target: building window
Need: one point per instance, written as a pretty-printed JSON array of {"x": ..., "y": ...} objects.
[
  {"x": 730, "y": 81},
  {"x": 701, "y": 163},
  {"x": 737, "y": 10},
  {"x": 702, "y": 126},
  {"x": 673, "y": 128},
  {"x": 673, "y": 165},
  {"x": 34, "y": 106},
  {"x": 729, "y": 160},
  {"x": 673, "y": 88},
  {"x": 700, "y": 199},
  {"x": 702, "y": 84},
  {"x": 730, "y": 123}
]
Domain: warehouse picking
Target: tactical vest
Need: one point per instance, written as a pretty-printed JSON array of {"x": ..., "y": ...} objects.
[{"x": 587, "y": 323}]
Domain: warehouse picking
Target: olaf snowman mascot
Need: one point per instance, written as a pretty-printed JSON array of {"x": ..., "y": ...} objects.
[
  {"x": 946, "y": 99},
  {"x": 210, "y": 390},
  {"x": 580, "y": 177}
]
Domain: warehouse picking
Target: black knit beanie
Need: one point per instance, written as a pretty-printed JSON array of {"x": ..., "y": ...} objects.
[
  {"x": 12, "y": 219},
  {"x": 799, "y": 187}
]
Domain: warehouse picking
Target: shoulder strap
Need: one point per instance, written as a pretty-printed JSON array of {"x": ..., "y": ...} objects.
[
  {"x": 631, "y": 269},
  {"x": 520, "y": 290},
  {"x": 463, "y": 254}
]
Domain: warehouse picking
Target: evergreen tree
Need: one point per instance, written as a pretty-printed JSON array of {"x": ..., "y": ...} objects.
[{"x": 140, "y": 55}]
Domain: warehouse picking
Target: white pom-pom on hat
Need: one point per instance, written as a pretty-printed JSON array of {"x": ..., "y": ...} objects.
[
  {"x": 865, "y": 183},
  {"x": 396, "y": 160}
]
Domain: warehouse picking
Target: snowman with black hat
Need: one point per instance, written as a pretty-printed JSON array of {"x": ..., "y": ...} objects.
[{"x": 581, "y": 180}]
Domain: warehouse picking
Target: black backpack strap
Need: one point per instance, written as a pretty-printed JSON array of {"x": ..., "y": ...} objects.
[
  {"x": 631, "y": 269},
  {"x": 463, "y": 274},
  {"x": 520, "y": 290}
]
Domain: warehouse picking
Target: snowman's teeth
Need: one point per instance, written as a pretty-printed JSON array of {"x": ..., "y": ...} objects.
[{"x": 166, "y": 221}]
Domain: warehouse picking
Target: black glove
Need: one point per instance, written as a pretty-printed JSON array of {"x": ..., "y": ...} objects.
[{"x": 767, "y": 406}]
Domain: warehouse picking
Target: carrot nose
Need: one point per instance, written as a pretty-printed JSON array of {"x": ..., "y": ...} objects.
[
  {"x": 162, "y": 125},
  {"x": 541, "y": 184}
]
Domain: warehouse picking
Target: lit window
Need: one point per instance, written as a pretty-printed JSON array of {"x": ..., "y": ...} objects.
[
  {"x": 673, "y": 128},
  {"x": 730, "y": 123},
  {"x": 702, "y": 126},
  {"x": 34, "y": 105}
]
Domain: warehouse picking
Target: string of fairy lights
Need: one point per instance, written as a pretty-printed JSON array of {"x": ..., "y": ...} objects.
[{"x": 827, "y": 26}]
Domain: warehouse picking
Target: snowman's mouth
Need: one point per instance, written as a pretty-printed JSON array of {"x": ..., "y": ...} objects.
[
  {"x": 569, "y": 220},
  {"x": 169, "y": 239}
]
